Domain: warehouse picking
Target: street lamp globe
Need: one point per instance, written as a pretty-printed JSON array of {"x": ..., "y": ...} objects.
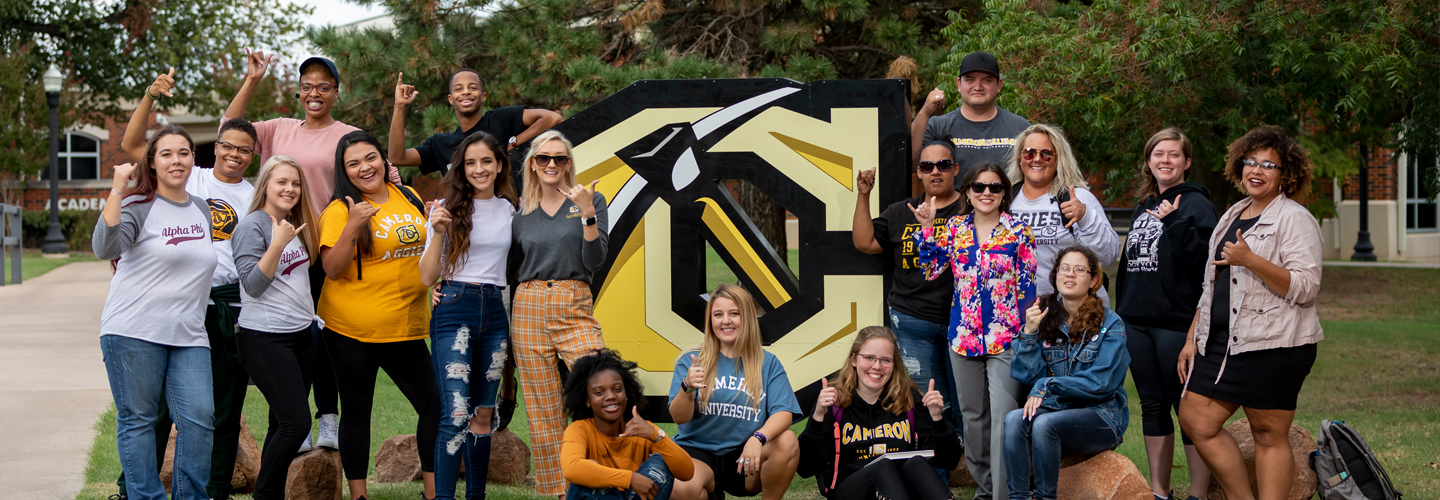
[{"x": 53, "y": 79}]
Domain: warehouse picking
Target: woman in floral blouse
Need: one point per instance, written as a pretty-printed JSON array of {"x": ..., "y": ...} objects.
[{"x": 993, "y": 258}]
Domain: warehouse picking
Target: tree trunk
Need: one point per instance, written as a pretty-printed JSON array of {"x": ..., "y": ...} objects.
[{"x": 768, "y": 216}]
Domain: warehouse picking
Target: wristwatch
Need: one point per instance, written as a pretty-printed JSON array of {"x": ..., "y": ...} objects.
[
  {"x": 659, "y": 435},
  {"x": 590, "y": 221}
]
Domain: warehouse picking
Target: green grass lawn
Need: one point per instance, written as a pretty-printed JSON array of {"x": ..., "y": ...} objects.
[
  {"x": 32, "y": 264},
  {"x": 1377, "y": 369}
]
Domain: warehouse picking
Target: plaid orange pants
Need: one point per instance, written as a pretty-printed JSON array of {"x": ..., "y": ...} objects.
[{"x": 552, "y": 319}]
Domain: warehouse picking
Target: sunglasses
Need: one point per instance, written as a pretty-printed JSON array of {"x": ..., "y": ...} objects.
[
  {"x": 942, "y": 165},
  {"x": 1045, "y": 154},
  {"x": 981, "y": 187},
  {"x": 560, "y": 160}
]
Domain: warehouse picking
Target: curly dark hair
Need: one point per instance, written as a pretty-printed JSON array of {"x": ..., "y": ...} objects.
[
  {"x": 1091, "y": 315},
  {"x": 1295, "y": 164},
  {"x": 577, "y": 401}
]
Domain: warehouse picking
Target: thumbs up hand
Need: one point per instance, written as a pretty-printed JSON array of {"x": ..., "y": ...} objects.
[
  {"x": 826, "y": 399},
  {"x": 695, "y": 379}
]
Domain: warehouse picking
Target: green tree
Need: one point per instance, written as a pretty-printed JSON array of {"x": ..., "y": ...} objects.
[
  {"x": 1337, "y": 72},
  {"x": 23, "y": 140},
  {"x": 568, "y": 54}
]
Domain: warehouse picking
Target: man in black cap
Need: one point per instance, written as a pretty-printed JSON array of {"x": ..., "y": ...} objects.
[{"x": 979, "y": 131}]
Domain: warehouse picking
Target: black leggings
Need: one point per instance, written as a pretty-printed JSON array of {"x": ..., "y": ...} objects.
[
  {"x": 893, "y": 480},
  {"x": 1153, "y": 355},
  {"x": 279, "y": 363},
  {"x": 356, "y": 365}
]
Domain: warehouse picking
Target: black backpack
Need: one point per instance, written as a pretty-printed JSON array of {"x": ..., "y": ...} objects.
[{"x": 1345, "y": 468}]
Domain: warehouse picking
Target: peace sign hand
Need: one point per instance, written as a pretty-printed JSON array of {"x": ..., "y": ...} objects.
[
  {"x": 360, "y": 213},
  {"x": 163, "y": 85},
  {"x": 924, "y": 212},
  {"x": 404, "y": 94},
  {"x": 256, "y": 63},
  {"x": 934, "y": 402},
  {"x": 582, "y": 197},
  {"x": 865, "y": 182},
  {"x": 1165, "y": 208}
]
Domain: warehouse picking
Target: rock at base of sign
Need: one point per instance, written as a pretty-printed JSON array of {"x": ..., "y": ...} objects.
[
  {"x": 1301, "y": 445},
  {"x": 509, "y": 459},
  {"x": 247, "y": 462},
  {"x": 1103, "y": 476},
  {"x": 316, "y": 475},
  {"x": 398, "y": 460},
  {"x": 961, "y": 476}
]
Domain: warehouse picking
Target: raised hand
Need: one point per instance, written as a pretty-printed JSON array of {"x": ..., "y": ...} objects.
[
  {"x": 924, "y": 212},
  {"x": 1236, "y": 253},
  {"x": 440, "y": 220},
  {"x": 695, "y": 378},
  {"x": 282, "y": 231},
  {"x": 123, "y": 174},
  {"x": 1165, "y": 208},
  {"x": 934, "y": 402},
  {"x": 826, "y": 399},
  {"x": 257, "y": 62},
  {"x": 934, "y": 102},
  {"x": 1033, "y": 316},
  {"x": 638, "y": 427},
  {"x": 643, "y": 486},
  {"x": 582, "y": 197},
  {"x": 163, "y": 85},
  {"x": 360, "y": 213},
  {"x": 1074, "y": 209},
  {"x": 404, "y": 94},
  {"x": 865, "y": 182}
]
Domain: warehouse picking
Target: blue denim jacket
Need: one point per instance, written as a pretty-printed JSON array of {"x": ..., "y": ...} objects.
[{"x": 1088, "y": 375}]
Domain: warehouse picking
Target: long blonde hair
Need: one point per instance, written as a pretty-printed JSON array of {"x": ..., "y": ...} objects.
[
  {"x": 1067, "y": 168},
  {"x": 747, "y": 345},
  {"x": 899, "y": 394},
  {"x": 301, "y": 213},
  {"x": 530, "y": 198}
]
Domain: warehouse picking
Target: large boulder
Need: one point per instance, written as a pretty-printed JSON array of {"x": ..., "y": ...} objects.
[
  {"x": 316, "y": 475},
  {"x": 398, "y": 460},
  {"x": 509, "y": 459},
  {"x": 1302, "y": 486},
  {"x": 247, "y": 462},
  {"x": 961, "y": 476},
  {"x": 1103, "y": 476}
]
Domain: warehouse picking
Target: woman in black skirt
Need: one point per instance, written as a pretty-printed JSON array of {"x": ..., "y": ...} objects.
[{"x": 1255, "y": 328}]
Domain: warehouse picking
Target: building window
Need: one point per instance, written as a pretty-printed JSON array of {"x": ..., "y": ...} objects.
[
  {"x": 1420, "y": 212},
  {"x": 79, "y": 158}
]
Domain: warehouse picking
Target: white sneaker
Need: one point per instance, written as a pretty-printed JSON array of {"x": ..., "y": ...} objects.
[
  {"x": 329, "y": 432},
  {"x": 305, "y": 446}
]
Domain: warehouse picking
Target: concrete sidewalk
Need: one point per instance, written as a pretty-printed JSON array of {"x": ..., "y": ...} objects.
[{"x": 52, "y": 380}]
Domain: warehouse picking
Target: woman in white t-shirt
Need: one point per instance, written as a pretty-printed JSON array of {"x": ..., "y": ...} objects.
[
  {"x": 469, "y": 329},
  {"x": 1056, "y": 202},
  {"x": 274, "y": 248}
]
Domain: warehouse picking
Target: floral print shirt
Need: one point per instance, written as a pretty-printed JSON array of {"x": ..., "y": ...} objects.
[{"x": 994, "y": 280}]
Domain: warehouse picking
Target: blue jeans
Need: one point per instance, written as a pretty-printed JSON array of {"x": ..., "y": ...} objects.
[
  {"x": 141, "y": 373},
  {"x": 923, "y": 350},
  {"x": 469, "y": 326},
  {"x": 653, "y": 468},
  {"x": 1040, "y": 443}
]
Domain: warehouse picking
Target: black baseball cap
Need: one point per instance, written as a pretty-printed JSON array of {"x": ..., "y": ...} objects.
[
  {"x": 979, "y": 61},
  {"x": 329, "y": 66}
]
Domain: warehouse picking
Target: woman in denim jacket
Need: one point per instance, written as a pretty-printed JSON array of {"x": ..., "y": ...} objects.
[{"x": 1075, "y": 357}]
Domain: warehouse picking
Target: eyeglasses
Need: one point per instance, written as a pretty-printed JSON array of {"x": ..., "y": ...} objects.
[
  {"x": 560, "y": 161},
  {"x": 980, "y": 187},
  {"x": 1045, "y": 154},
  {"x": 323, "y": 88},
  {"x": 943, "y": 166},
  {"x": 228, "y": 148},
  {"x": 1066, "y": 269},
  {"x": 870, "y": 360},
  {"x": 1252, "y": 163}
]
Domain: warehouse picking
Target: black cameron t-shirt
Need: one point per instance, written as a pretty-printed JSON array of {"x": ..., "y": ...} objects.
[
  {"x": 437, "y": 151},
  {"x": 911, "y": 293}
]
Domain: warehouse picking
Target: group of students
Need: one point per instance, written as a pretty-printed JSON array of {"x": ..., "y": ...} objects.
[{"x": 328, "y": 270}]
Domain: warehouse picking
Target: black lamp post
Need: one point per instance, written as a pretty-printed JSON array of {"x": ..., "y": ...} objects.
[
  {"x": 1364, "y": 250},
  {"x": 54, "y": 241}
]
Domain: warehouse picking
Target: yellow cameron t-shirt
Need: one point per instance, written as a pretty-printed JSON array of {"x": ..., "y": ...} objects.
[{"x": 389, "y": 304}]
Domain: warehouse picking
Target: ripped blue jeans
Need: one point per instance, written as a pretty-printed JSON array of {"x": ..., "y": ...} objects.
[{"x": 469, "y": 336}]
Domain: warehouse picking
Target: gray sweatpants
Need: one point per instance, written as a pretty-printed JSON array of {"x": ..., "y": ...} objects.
[{"x": 986, "y": 393}]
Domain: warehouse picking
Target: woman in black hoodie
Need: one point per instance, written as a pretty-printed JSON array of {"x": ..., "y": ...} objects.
[
  {"x": 1161, "y": 272},
  {"x": 873, "y": 410}
]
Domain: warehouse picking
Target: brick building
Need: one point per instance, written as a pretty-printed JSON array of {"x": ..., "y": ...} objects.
[{"x": 1403, "y": 224}]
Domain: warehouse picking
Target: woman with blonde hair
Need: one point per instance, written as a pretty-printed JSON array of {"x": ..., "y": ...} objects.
[
  {"x": 273, "y": 252},
  {"x": 734, "y": 406},
  {"x": 1056, "y": 202},
  {"x": 873, "y": 410},
  {"x": 558, "y": 242}
]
